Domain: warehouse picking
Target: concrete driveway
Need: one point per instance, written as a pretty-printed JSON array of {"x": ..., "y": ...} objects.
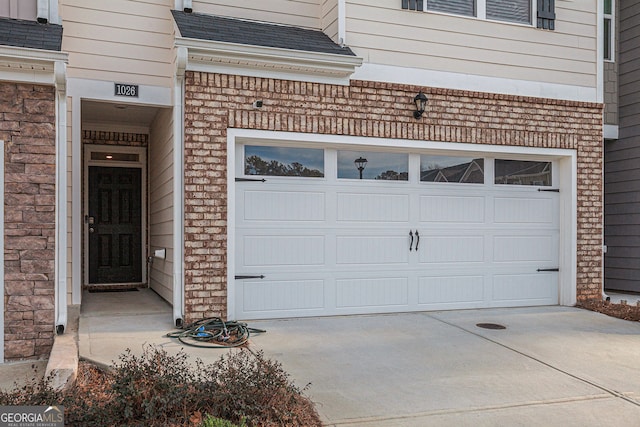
[{"x": 550, "y": 366}]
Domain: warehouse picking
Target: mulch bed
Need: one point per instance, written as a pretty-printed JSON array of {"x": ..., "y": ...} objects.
[{"x": 621, "y": 311}]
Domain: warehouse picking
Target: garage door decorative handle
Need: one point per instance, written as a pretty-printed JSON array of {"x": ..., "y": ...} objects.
[
  {"x": 547, "y": 269},
  {"x": 411, "y": 244},
  {"x": 418, "y": 240},
  {"x": 251, "y": 180},
  {"x": 249, "y": 277}
]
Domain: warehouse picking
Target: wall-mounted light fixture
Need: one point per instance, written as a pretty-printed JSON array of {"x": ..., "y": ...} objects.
[
  {"x": 361, "y": 163},
  {"x": 421, "y": 103}
]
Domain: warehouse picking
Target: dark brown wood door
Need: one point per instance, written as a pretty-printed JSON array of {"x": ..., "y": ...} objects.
[{"x": 115, "y": 237}]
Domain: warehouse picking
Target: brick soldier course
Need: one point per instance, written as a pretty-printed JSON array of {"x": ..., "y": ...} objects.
[
  {"x": 215, "y": 102},
  {"x": 27, "y": 125}
]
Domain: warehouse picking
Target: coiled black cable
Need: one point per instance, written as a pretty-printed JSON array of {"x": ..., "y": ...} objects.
[{"x": 214, "y": 332}]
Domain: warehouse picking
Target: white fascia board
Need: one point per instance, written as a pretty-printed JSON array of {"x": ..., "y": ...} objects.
[
  {"x": 29, "y": 65},
  {"x": 214, "y": 56},
  {"x": 25, "y": 53},
  {"x": 474, "y": 83}
]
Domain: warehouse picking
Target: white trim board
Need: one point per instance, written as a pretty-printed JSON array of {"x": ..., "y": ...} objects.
[
  {"x": 268, "y": 62},
  {"x": 30, "y": 65},
  {"x": 567, "y": 179},
  {"x": 99, "y": 90},
  {"x": 470, "y": 82}
]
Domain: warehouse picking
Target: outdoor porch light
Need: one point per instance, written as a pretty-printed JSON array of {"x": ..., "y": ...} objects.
[
  {"x": 361, "y": 163},
  {"x": 421, "y": 102}
]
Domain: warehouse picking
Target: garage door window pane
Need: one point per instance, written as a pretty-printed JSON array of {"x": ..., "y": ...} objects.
[
  {"x": 520, "y": 172},
  {"x": 466, "y": 170},
  {"x": 283, "y": 161},
  {"x": 373, "y": 165}
]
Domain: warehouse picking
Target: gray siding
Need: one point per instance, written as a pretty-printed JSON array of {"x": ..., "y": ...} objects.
[
  {"x": 622, "y": 162},
  {"x": 611, "y": 93}
]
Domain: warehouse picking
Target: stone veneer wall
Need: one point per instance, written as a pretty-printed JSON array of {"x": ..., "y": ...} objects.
[
  {"x": 27, "y": 125},
  {"x": 215, "y": 102}
]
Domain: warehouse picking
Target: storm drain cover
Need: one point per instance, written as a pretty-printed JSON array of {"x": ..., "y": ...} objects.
[{"x": 490, "y": 326}]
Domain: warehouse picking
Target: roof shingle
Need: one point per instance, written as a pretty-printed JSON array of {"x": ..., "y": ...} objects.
[
  {"x": 30, "y": 34},
  {"x": 230, "y": 30}
]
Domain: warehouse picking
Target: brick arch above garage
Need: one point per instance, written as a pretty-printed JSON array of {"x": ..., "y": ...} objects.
[{"x": 216, "y": 102}]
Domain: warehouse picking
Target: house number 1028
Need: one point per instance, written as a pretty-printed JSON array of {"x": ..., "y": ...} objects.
[{"x": 122, "y": 89}]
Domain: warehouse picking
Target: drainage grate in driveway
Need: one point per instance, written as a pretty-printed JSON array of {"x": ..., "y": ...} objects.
[{"x": 490, "y": 326}]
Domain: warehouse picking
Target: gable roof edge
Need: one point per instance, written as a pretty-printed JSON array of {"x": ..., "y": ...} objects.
[
  {"x": 264, "y": 61},
  {"x": 31, "y": 65}
]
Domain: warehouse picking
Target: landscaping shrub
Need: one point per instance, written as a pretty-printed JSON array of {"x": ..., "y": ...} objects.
[
  {"x": 218, "y": 422},
  {"x": 157, "y": 389}
]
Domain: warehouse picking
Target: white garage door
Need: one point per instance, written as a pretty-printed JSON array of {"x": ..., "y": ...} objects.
[{"x": 416, "y": 232}]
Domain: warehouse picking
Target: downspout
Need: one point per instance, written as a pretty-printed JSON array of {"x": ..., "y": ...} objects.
[
  {"x": 600, "y": 99},
  {"x": 342, "y": 23},
  {"x": 43, "y": 11},
  {"x": 60, "y": 73},
  {"x": 178, "y": 187}
]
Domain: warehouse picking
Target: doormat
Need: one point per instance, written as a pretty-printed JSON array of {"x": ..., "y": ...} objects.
[{"x": 101, "y": 291}]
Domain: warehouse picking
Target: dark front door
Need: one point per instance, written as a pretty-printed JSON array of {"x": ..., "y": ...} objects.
[{"x": 115, "y": 236}]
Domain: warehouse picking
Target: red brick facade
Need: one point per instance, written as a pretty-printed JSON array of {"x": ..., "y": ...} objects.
[
  {"x": 122, "y": 139},
  {"x": 27, "y": 125},
  {"x": 215, "y": 102}
]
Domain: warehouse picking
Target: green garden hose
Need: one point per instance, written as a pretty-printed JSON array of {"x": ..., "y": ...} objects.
[{"x": 214, "y": 332}]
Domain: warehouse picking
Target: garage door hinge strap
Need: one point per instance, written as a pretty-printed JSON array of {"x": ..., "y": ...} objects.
[
  {"x": 550, "y": 190},
  {"x": 250, "y": 180},
  {"x": 250, "y": 277},
  {"x": 547, "y": 269}
]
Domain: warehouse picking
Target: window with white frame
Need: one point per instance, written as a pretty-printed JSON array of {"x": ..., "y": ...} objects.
[
  {"x": 513, "y": 11},
  {"x": 518, "y": 11},
  {"x": 22, "y": 9},
  {"x": 609, "y": 34}
]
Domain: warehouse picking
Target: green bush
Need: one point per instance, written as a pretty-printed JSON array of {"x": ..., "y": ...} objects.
[
  {"x": 219, "y": 422},
  {"x": 157, "y": 389}
]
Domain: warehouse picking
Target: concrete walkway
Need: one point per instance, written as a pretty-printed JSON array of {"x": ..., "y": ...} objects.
[{"x": 550, "y": 366}]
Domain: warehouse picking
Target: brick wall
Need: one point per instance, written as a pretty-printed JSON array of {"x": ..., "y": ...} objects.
[
  {"x": 27, "y": 125},
  {"x": 122, "y": 139},
  {"x": 215, "y": 102}
]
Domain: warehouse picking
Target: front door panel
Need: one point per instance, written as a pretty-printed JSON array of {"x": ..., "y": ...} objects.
[{"x": 115, "y": 237}]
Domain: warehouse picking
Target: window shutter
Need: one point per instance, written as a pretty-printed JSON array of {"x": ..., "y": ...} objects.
[
  {"x": 546, "y": 14},
  {"x": 458, "y": 7},
  {"x": 413, "y": 4}
]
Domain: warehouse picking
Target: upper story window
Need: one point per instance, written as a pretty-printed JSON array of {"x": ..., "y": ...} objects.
[
  {"x": 515, "y": 11},
  {"x": 609, "y": 34},
  {"x": 19, "y": 9},
  {"x": 518, "y": 11}
]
